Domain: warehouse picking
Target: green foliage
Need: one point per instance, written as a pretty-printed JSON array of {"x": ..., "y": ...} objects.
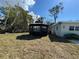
[
  {"x": 40, "y": 20},
  {"x": 71, "y": 36},
  {"x": 54, "y": 11},
  {"x": 17, "y": 19}
]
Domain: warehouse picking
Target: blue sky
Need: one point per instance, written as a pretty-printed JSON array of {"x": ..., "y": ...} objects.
[
  {"x": 70, "y": 11},
  {"x": 41, "y": 7}
]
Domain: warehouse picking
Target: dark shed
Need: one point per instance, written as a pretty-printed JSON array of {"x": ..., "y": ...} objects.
[{"x": 38, "y": 29}]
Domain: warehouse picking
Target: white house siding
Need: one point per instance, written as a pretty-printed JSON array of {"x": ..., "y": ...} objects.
[
  {"x": 58, "y": 30},
  {"x": 51, "y": 29},
  {"x": 65, "y": 28}
]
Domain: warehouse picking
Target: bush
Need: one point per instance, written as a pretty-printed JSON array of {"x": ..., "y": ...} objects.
[
  {"x": 2, "y": 31},
  {"x": 71, "y": 36}
]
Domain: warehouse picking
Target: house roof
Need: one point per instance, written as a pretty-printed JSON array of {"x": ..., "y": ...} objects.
[
  {"x": 59, "y": 23},
  {"x": 68, "y": 22}
]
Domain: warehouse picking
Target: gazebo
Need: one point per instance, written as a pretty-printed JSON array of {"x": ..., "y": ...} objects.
[{"x": 38, "y": 29}]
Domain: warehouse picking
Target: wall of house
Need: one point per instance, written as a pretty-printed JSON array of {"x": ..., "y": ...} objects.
[
  {"x": 52, "y": 29},
  {"x": 65, "y": 28},
  {"x": 56, "y": 29}
]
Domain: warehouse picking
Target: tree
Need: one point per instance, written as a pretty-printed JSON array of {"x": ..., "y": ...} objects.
[
  {"x": 48, "y": 22},
  {"x": 54, "y": 11},
  {"x": 40, "y": 20},
  {"x": 16, "y": 19}
]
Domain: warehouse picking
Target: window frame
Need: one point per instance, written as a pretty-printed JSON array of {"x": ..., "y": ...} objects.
[
  {"x": 71, "y": 28},
  {"x": 77, "y": 28}
]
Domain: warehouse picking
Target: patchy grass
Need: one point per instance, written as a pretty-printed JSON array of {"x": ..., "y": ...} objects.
[
  {"x": 39, "y": 48},
  {"x": 10, "y": 40}
]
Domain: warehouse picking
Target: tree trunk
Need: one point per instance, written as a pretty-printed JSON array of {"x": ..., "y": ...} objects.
[{"x": 54, "y": 18}]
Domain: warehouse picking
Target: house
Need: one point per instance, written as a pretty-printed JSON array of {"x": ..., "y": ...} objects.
[{"x": 62, "y": 28}]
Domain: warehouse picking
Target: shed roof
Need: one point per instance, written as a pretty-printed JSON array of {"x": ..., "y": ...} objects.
[{"x": 38, "y": 24}]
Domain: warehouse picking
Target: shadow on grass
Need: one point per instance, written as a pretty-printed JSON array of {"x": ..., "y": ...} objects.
[
  {"x": 28, "y": 37},
  {"x": 54, "y": 38}
]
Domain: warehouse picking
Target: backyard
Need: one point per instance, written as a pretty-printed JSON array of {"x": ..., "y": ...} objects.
[
  {"x": 25, "y": 46},
  {"x": 51, "y": 25}
]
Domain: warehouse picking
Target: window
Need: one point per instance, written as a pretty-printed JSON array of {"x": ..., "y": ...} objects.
[
  {"x": 44, "y": 27},
  {"x": 77, "y": 28},
  {"x": 71, "y": 28},
  {"x": 36, "y": 28}
]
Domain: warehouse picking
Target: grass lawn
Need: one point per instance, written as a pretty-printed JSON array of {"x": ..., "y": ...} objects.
[
  {"x": 23, "y": 46},
  {"x": 11, "y": 39}
]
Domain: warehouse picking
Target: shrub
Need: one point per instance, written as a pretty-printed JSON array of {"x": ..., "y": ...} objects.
[{"x": 71, "y": 36}]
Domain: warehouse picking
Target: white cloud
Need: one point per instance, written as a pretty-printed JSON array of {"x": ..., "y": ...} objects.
[
  {"x": 25, "y": 4},
  {"x": 34, "y": 16}
]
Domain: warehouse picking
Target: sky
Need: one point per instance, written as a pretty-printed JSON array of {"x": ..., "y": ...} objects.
[
  {"x": 41, "y": 7},
  {"x": 69, "y": 13},
  {"x": 25, "y": 4}
]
